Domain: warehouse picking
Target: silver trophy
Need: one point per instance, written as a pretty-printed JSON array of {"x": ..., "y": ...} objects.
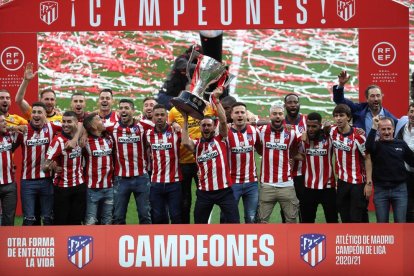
[{"x": 207, "y": 72}]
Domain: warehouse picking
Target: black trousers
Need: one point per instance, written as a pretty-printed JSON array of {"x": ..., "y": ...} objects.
[
  {"x": 311, "y": 198},
  {"x": 69, "y": 205},
  {"x": 189, "y": 172},
  {"x": 351, "y": 202},
  {"x": 224, "y": 198}
]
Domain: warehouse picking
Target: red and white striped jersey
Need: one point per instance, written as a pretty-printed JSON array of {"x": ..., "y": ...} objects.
[
  {"x": 130, "y": 148},
  {"x": 6, "y": 155},
  {"x": 300, "y": 127},
  {"x": 99, "y": 165},
  {"x": 317, "y": 166},
  {"x": 242, "y": 148},
  {"x": 69, "y": 160},
  {"x": 110, "y": 120},
  {"x": 275, "y": 157},
  {"x": 212, "y": 162},
  {"x": 165, "y": 151},
  {"x": 350, "y": 152},
  {"x": 35, "y": 143}
]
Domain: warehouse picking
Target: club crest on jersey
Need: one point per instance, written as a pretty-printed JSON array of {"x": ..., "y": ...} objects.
[
  {"x": 286, "y": 135},
  {"x": 168, "y": 134},
  {"x": 80, "y": 250},
  {"x": 249, "y": 137},
  {"x": 313, "y": 248},
  {"x": 45, "y": 129},
  {"x": 301, "y": 129}
]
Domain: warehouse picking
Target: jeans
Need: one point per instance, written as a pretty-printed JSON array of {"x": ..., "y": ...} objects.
[
  {"x": 69, "y": 205},
  {"x": 224, "y": 198},
  {"x": 8, "y": 199},
  {"x": 123, "y": 188},
  {"x": 166, "y": 196},
  {"x": 99, "y": 197},
  {"x": 410, "y": 191},
  {"x": 29, "y": 190},
  {"x": 396, "y": 196},
  {"x": 189, "y": 172},
  {"x": 351, "y": 202},
  {"x": 250, "y": 194}
]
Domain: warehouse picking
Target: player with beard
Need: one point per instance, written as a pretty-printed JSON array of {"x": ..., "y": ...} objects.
[
  {"x": 8, "y": 187},
  {"x": 298, "y": 122},
  {"x": 35, "y": 182},
  {"x": 166, "y": 179},
  {"x": 318, "y": 173},
  {"x": 148, "y": 105},
  {"x": 350, "y": 154},
  {"x": 362, "y": 113},
  {"x": 5, "y": 102},
  {"x": 244, "y": 140},
  {"x": 47, "y": 96},
  {"x": 279, "y": 144},
  {"x": 211, "y": 155},
  {"x": 131, "y": 176}
]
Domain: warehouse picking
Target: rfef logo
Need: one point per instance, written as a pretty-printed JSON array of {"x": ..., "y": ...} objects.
[
  {"x": 384, "y": 54},
  {"x": 12, "y": 58},
  {"x": 313, "y": 248},
  {"x": 48, "y": 11},
  {"x": 80, "y": 250},
  {"x": 346, "y": 9}
]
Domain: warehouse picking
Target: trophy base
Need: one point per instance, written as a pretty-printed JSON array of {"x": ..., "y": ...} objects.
[{"x": 189, "y": 103}]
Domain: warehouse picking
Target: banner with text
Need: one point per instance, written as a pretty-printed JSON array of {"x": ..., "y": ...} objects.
[{"x": 192, "y": 249}]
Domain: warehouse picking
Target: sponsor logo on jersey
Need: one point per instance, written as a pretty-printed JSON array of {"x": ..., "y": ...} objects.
[
  {"x": 37, "y": 142},
  {"x": 341, "y": 145},
  {"x": 165, "y": 146},
  {"x": 276, "y": 146},
  {"x": 129, "y": 139},
  {"x": 316, "y": 152},
  {"x": 207, "y": 156},
  {"x": 242, "y": 149},
  {"x": 99, "y": 153}
]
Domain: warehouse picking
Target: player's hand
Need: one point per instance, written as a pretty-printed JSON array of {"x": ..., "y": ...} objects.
[
  {"x": 375, "y": 122},
  {"x": 28, "y": 72},
  {"x": 176, "y": 127},
  {"x": 368, "y": 190},
  {"x": 343, "y": 78},
  {"x": 70, "y": 144}
]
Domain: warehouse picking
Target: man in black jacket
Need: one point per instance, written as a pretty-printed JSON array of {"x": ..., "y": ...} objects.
[
  {"x": 388, "y": 174},
  {"x": 406, "y": 133}
]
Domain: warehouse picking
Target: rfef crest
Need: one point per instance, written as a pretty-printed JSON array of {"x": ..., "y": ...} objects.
[{"x": 48, "y": 11}]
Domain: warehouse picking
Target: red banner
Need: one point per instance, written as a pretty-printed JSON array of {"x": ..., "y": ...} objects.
[
  {"x": 384, "y": 55},
  {"x": 312, "y": 249},
  {"x": 117, "y": 15}
]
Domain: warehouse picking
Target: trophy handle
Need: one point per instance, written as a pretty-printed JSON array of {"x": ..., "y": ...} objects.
[
  {"x": 230, "y": 78},
  {"x": 194, "y": 54}
]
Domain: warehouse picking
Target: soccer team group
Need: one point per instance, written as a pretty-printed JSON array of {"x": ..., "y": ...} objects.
[{"x": 81, "y": 168}]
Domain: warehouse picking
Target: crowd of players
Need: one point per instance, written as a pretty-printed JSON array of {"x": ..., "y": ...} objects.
[{"x": 81, "y": 168}]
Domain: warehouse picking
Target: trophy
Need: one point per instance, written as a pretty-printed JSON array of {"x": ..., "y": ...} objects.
[{"x": 206, "y": 72}]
